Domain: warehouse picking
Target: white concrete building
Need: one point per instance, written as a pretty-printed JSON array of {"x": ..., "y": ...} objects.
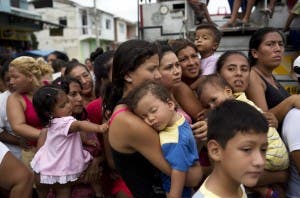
[{"x": 81, "y": 24}]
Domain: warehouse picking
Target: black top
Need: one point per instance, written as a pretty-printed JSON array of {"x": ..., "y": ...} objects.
[
  {"x": 274, "y": 96},
  {"x": 141, "y": 177}
]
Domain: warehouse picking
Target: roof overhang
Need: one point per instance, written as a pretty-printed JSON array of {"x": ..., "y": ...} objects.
[{"x": 25, "y": 20}]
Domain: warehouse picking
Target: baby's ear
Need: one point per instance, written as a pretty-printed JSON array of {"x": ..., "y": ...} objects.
[
  {"x": 171, "y": 103},
  {"x": 215, "y": 46},
  {"x": 214, "y": 150},
  {"x": 228, "y": 91}
]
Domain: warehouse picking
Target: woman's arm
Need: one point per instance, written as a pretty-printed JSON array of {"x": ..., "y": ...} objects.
[
  {"x": 271, "y": 118},
  {"x": 177, "y": 183},
  {"x": 295, "y": 155},
  {"x": 129, "y": 133},
  {"x": 273, "y": 177},
  {"x": 16, "y": 177},
  {"x": 16, "y": 118},
  {"x": 9, "y": 138},
  {"x": 256, "y": 91},
  {"x": 142, "y": 138},
  {"x": 42, "y": 138},
  {"x": 283, "y": 108},
  {"x": 107, "y": 152},
  {"x": 187, "y": 100}
]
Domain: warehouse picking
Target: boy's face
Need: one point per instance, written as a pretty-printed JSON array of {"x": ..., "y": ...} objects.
[
  {"x": 243, "y": 158},
  {"x": 236, "y": 72},
  {"x": 212, "y": 95},
  {"x": 154, "y": 112},
  {"x": 205, "y": 42}
]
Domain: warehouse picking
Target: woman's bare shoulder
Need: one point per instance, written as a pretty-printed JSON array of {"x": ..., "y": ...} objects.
[
  {"x": 127, "y": 132},
  {"x": 256, "y": 79},
  {"x": 127, "y": 121},
  {"x": 15, "y": 96}
]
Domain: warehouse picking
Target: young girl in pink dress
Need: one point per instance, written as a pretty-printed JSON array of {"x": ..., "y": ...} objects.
[{"x": 61, "y": 159}]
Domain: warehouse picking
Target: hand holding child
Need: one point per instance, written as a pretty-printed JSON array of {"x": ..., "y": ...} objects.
[
  {"x": 103, "y": 128},
  {"x": 24, "y": 143},
  {"x": 200, "y": 130},
  {"x": 93, "y": 173},
  {"x": 272, "y": 120}
]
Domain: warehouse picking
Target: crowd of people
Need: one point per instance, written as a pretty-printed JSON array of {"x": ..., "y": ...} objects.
[{"x": 151, "y": 119}]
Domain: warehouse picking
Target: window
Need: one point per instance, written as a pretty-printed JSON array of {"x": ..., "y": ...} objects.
[
  {"x": 84, "y": 22},
  {"x": 108, "y": 24},
  {"x": 15, "y": 3},
  {"x": 122, "y": 27},
  {"x": 62, "y": 21}
]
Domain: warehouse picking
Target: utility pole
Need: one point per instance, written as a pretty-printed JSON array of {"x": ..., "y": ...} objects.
[{"x": 96, "y": 24}]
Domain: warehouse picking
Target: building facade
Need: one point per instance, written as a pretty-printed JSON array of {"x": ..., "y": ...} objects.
[
  {"x": 83, "y": 26},
  {"x": 17, "y": 27}
]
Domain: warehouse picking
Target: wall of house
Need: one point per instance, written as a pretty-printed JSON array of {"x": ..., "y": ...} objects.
[
  {"x": 107, "y": 28},
  {"x": 121, "y": 31},
  {"x": 68, "y": 42},
  {"x": 79, "y": 40}
]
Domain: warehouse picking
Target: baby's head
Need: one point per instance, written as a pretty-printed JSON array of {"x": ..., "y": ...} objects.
[
  {"x": 237, "y": 141},
  {"x": 213, "y": 90},
  {"x": 207, "y": 39},
  {"x": 153, "y": 103},
  {"x": 51, "y": 102}
]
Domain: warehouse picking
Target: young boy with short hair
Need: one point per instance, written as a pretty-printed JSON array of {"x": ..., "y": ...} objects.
[
  {"x": 212, "y": 91},
  {"x": 237, "y": 144},
  {"x": 207, "y": 41}
]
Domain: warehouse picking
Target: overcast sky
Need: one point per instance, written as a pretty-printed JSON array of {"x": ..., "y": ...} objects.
[
  {"x": 123, "y": 8},
  {"x": 128, "y": 8}
]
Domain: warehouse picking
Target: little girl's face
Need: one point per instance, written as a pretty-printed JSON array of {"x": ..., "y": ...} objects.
[
  {"x": 154, "y": 112},
  {"x": 212, "y": 96},
  {"x": 63, "y": 106}
]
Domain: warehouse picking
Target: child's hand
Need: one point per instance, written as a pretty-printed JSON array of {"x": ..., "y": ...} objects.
[
  {"x": 91, "y": 143},
  {"x": 103, "y": 128}
]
